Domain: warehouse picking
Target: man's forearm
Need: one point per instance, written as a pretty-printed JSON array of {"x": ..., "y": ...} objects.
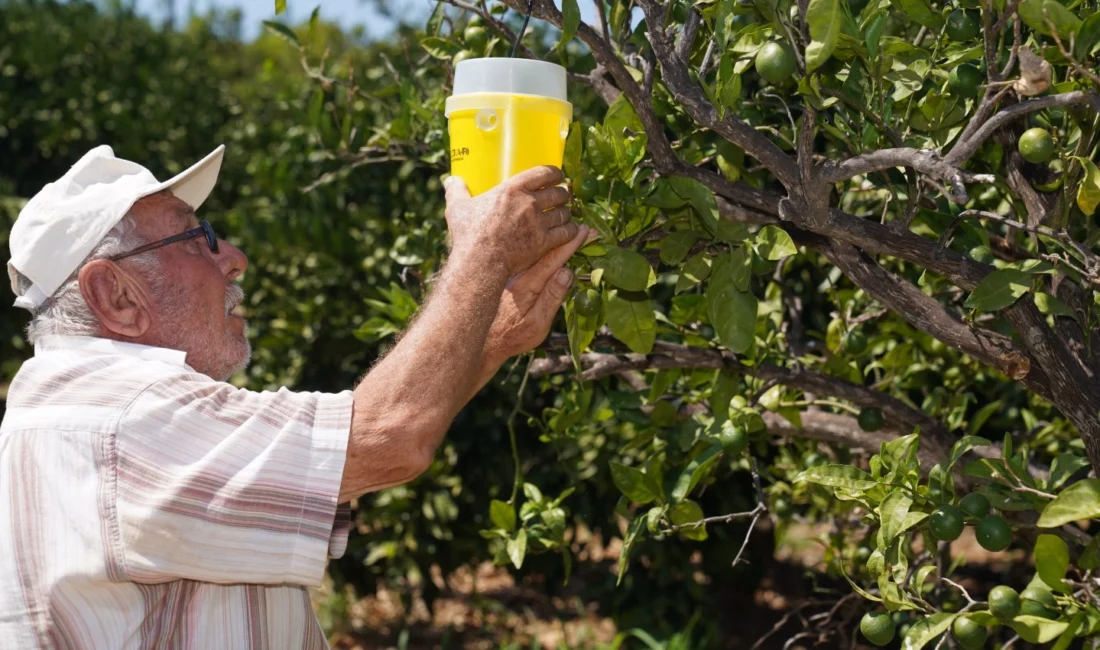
[{"x": 404, "y": 406}]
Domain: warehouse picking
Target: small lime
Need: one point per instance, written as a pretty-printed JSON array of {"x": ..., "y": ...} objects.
[
  {"x": 1037, "y": 601},
  {"x": 870, "y": 419},
  {"x": 946, "y": 523},
  {"x": 993, "y": 533},
  {"x": 587, "y": 188},
  {"x": 963, "y": 25},
  {"x": 965, "y": 79},
  {"x": 781, "y": 507},
  {"x": 1036, "y": 145},
  {"x": 475, "y": 37},
  {"x": 856, "y": 342},
  {"x": 775, "y": 63},
  {"x": 733, "y": 440},
  {"x": 863, "y": 553},
  {"x": 975, "y": 505},
  {"x": 587, "y": 302},
  {"x": 969, "y": 634},
  {"x": 1004, "y": 602},
  {"x": 877, "y": 627}
]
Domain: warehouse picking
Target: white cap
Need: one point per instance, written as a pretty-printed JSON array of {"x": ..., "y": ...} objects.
[
  {"x": 63, "y": 223},
  {"x": 515, "y": 76}
]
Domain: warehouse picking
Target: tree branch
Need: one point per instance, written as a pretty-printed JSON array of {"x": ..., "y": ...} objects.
[
  {"x": 925, "y": 161},
  {"x": 964, "y": 149}
]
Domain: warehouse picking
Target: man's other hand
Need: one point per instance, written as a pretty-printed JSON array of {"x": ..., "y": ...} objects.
[
  {"x": 530, "y": 302},
  {"x": 516, "y": 223}
]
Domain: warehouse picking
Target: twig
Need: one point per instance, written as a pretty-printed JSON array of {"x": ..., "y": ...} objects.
[
  {"x": 752, "y": 524},
  {"x": 925, "y": 161},
  {"x": 601, "y": 13},
  {"x": 1010, "y": 10},
  {"x": 512, "y": 431},
  {"x": 720, "y": 519},
  {"x": 961, "y": 588},
  {"x": 1092, "y": 76}
]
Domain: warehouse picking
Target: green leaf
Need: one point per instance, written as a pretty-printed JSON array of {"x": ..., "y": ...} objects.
[
  {"x": 435, "y": 20},
  {"x": 689, "y": 512},
  {"x": 999, "y": 289},
  {"x": 625, "y": 269},
  {"x": 728, "y": 84},
  {"x": 965, "y": 444},
  {"x": 517, "y": 548},
  {"x": 502, "y": 515},
  {"x": 631, "y": 319},
  {"x": 725, "y": 387},
  {"x": 732, "y": 314},
  {"x": 571, "y": 162},
  {"x": 873, "y": 32},
  {"x": 838, "y": 476},
  {"x": 825, "y": 18},
  {"x": 1035, "y": 629},
  {"x": 628, "y": 544},
  {"x": 1090, "y": 557},
  {"x": 621, "y": 115},
  {"x": 1088, "y": 37},
  {"x": 927, "y": 629},
  {"x": 1076, "y": 625},
  {"x": 570, "y": 20},
  {"x": 1088, "y": 192},
  {"x": 1063, "y": 467},
  {"x": 676, "y": 246},
  {"x": 280, "y": 6},
  {"x": 892, "y": 513},
  {"x": 1078, "y": 501},
  {"x": 440, "y": 48},
  {"x": 282, "y": 30},
  {"x": 1052, "y": 560},
  {"x": 581, "y": 330},
  {"x": 773, "y": 243},
  {"x": 632, "y": 483},
  {"x": 694, "y": 271},
  {"x": 1040, "y": 14},
  {"x": 920, "y": 12},
  {"x": 694, "y": 472},
  {"x": 941, "y": 485},
  {"x": 700, "y": 198},
  {"x": 1052, "y": 306}
]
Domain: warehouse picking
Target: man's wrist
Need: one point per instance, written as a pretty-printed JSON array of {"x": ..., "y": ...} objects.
[{"x": 483, "y": 258}]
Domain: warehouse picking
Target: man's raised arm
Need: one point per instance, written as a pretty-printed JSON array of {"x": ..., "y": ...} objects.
[{"x": 405, "y": 404}]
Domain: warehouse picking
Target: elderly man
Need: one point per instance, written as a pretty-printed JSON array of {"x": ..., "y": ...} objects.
[{"x": 147, "y": 503}]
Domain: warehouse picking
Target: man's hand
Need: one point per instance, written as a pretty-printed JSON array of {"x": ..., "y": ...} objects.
[
  {"x": 515, "y": 223},
  {"x": 530, "y": 302}
]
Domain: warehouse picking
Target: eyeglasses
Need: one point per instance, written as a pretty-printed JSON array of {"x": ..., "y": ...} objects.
[{"x": 204, "y": 229}]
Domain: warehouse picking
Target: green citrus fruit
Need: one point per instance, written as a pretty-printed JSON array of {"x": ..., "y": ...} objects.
[
  {"x": 475, "y": 37},
  {"x": 856, "y": 342},
  {"x": 993, "y": 533},
  {"x": 475, "y": 21},
  {"x": 969, "y": 634},
  {"x": 963, "y": 25},
  {"x": 965, "y": 79},
  {"x": 870, "y": 419},
  {"x": 1037, "y": 601},
  {"x": 1004, "y": 602},
  {"x": 974, "y": 504},
  {"x": 462, "y": 56},
  {"x": 781, "y": 507},
  {"x": 877, "y": 627},
  {"x": 587, "y": 188},
  {"x": 1036, "y": 145},
  {"x": 863, "y": 553},
  {"x": 587, "y": 302},
  {"x": 733, "y": 439},
  {"x": 946, "y": 523},
  {"x": 775, "y": 63},
  {"x": 981, "y": 254}
]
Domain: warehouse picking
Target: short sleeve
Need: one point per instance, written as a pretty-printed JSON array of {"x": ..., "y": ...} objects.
[{"x": 219, "y": 484}]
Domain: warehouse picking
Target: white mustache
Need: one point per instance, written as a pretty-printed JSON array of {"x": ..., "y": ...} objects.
[{"x": 234, "y": 295}]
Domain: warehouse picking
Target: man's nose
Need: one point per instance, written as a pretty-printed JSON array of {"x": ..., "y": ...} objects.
[{"x": 231, "y": 259}]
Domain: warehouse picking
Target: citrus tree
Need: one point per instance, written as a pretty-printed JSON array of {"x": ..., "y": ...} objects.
[{"x": 846, "y": 265}]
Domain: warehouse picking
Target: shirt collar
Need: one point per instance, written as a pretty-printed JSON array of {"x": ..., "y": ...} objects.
[{"x": 108, "y": 346}]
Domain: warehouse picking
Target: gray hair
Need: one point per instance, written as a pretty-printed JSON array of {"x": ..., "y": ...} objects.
[{"x": 65, "y": 313}]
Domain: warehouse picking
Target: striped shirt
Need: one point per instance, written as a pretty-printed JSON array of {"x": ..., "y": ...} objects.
[{"x": 145, "y": 505}]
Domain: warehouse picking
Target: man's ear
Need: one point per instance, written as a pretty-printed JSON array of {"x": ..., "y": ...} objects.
[{"x": 118, "y": 300}]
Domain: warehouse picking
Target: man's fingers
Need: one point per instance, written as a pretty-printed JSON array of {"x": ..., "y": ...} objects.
[
  {"x": 538, "y": 275},
  {"x": 456, "y": 190},
  {"x": 563, "y": 235},
  {"x": 552, "y": 197},
  {"x": 537, "y": 178},
  {"x": 556, "y": 217}
]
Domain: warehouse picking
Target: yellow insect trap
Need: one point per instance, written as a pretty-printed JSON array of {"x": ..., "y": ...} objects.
[{"x": 506, "y": 116}]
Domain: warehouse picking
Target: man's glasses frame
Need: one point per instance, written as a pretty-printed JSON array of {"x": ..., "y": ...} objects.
[{"x": 204, "y": 229}]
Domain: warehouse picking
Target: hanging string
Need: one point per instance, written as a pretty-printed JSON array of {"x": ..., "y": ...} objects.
[{"x": 526, "y": 19}]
